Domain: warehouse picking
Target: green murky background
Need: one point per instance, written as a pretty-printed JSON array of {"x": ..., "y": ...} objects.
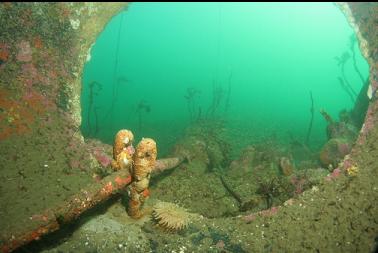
[{"x": 255, "y": 62}]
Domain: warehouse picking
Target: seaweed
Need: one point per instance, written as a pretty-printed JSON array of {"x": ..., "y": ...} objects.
[
  {"x": 190, "y": 96},
  {"x": 116, "y": 80},
  {"x": 311, "y": 120},
  {"x": 352, "y": 48},
  {"x": 218, "y": 95},
  {"x": 342, "y": 61},
  {"x": 142, "y": 107},
  {"x": 273, "y": 187},
  {"x": 228, "y": 93},
  {"x": 92, "y": 93}
]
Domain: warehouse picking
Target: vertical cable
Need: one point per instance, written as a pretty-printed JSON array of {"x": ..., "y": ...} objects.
[{"x": 115, "y": 81}]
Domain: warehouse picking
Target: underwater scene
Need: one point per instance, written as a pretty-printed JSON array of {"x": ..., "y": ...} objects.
[{"x": 188, "y": 127}]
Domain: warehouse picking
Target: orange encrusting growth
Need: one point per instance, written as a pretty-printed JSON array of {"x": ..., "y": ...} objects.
[
  {"x": 4, "y": 52},
  {"x": 144, "y": 163},
  {"x": 121, "y": 182},
  {"x": 123, "y": 150},
  {"x": 16, "y": 117},
  {"x": 123, "y": 139},
  {"x": 146, "y": 193},
  {"x": 144, "y": 158}
]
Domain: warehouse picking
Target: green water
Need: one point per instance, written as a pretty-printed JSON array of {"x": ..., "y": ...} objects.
[{"x": 261, "y": 60}]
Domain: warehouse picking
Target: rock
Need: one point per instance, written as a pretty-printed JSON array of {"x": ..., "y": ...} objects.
[{"x": 334, "y": 151}]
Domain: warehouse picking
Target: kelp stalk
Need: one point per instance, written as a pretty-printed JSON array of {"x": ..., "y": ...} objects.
[{"x": 311, "y": 120}]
